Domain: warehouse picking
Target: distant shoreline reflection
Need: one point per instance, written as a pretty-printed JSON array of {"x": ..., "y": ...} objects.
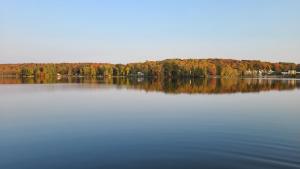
[{"x": 187, "y": 85}]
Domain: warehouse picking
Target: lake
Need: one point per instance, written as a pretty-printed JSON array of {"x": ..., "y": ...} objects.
[{"x": 90, "y": 123}]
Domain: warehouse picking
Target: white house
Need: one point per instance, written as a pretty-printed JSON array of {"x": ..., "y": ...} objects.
[
  {"x": 140, "y": 73},
  {"x": 292, "y": 72},
  {"x": 270, "y": 72},
  {"x": 248, "y": 72}
]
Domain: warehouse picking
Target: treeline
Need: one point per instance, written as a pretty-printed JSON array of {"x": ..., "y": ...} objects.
[{"x": 165, "y": 68}]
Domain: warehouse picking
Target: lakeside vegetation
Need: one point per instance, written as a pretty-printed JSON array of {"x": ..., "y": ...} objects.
[{"x": 170, "y": 68}]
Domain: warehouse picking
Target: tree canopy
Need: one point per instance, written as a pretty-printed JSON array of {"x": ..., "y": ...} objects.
[{"x": 165, "y": 68}]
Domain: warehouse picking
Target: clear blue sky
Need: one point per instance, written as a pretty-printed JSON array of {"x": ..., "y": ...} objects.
[{"x": 126, "y": 30}]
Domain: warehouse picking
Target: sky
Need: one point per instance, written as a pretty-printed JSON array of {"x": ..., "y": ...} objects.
[{"x": 121, "y": 31}]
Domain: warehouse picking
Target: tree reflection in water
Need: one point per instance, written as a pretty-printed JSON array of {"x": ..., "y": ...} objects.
[{"x": 182, "y": 85}]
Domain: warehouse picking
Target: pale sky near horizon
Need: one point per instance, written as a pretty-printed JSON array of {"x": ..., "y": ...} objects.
[{"x": 121, "y": 31}]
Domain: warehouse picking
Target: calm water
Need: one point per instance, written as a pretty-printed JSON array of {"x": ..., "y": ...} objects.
[{"x": 141, "y": 124}]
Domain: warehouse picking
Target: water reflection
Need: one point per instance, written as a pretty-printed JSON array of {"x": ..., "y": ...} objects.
[
  {"x": 191, "y": 86},
  {"x": 89, "y": 123}
]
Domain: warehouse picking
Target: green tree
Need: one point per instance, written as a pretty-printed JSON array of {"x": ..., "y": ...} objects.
[
  {"x": 27, "y": 71},
  {"x": 227, "y": 71}
]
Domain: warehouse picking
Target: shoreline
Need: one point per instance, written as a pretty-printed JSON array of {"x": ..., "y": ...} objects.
[{"x": 149, "y": 77}]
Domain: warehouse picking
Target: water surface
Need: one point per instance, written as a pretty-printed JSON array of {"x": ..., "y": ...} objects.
[{"x": 141, "y": 123}]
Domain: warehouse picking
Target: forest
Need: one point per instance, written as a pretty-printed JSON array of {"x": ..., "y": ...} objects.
[{"x": 169, "y": 68}]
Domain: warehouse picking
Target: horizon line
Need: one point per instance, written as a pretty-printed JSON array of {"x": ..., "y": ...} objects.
[{"x": 146, "y": 60}]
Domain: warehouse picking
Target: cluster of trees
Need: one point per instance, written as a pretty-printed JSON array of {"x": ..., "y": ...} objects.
[{"x": 165, "y": 68}]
